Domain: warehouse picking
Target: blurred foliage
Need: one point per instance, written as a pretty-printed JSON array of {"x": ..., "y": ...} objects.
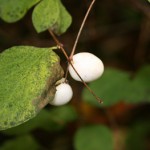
[
  {"x": 53, "y": 120},
  {"x": 93, "y": 137},
  {"x": 49, "y": 120},
  {"x": 115, "y": 86},
  {"x": 112, "y": 81},
  {"x": 21, "y": 143}
]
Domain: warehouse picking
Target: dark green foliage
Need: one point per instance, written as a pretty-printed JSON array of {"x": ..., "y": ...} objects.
[
  {"x": 110, "y": 87},
  {"x": 94, "y": 137},
  {"x": 115, "y": 86},
  {"x": 139, "y": 88},
  {"x": 51, "y": 120},
  {"x": 21, "y": 143}
]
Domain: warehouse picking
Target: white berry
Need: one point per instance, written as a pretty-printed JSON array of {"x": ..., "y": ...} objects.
[
  {"x": 63, "y": 94},
  {"x": 89, "y": 67}
]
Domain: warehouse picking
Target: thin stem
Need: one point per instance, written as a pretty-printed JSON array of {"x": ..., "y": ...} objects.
[
  {"x": 69, "y": 61},
  {"x": 80, "y": 30},
  {"x": 90, "y": 90},
  {"x": 58, "y": 44},
  {"x": 61, "y": 48}
]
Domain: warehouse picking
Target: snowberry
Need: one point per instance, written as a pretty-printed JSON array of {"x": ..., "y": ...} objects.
[
  {"x": 63, "y": 94},
  {"x": 89, "y": 67}
]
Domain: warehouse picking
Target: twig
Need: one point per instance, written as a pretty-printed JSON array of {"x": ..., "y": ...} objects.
[
  {"x": 69, "y": 61},
  {"x": 80, "y": 30}
]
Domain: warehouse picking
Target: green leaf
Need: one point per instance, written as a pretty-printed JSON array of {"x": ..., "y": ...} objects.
[
  {"x": 139, "y": 89},
  {"x": 27, "y": 82},
  {"x": 21, "y": 143},
  {"x": 64, "y": 20},
  {"x": 144, "y": 76},
  {"x": 63, "y": 114},
  {"x": 45, "y": 15},
  {"x": 94, "y": 137},
  {"x": 51, "y": 14},
  {"x": 111, "y": 88},
  {"x": 58, "y": 118},
  {"x": 115, "y": 86},
  {"x": 14, "y": 10},
  {"x": 49, "y": 120}
]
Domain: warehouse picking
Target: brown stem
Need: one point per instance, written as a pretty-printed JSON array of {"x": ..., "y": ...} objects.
[
  {"x": 58, "y": 44},
  {"x": 91, "y": 91},
  {"x": 69, "y": 61},
  {"x": 80, "y": 30}
]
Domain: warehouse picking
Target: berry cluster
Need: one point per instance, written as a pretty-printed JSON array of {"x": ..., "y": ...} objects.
[{"x": 88, "y": 66}]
